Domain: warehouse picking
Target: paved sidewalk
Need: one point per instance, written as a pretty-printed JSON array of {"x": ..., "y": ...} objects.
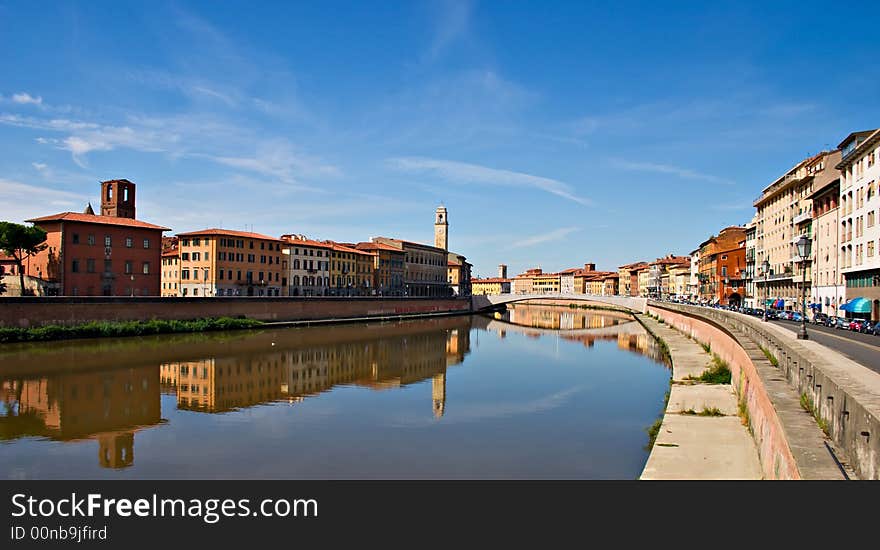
[{"x": 690, "y": 445}]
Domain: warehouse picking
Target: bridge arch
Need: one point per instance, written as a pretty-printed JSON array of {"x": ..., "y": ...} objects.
[{"x": 484, "y": 302}]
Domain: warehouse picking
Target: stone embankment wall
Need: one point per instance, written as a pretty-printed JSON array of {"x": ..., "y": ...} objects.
[
  {"x": 789, "y": 441},
  {"x": 34, "y": 312}
]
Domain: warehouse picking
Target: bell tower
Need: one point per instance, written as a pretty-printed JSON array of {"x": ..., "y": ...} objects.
[
  {"x": 441, "y": 228},
  {"x": 117, "y": 199}
]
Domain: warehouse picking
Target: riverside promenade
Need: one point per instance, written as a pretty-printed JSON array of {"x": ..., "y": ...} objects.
[{"x": 702, "y": 436}]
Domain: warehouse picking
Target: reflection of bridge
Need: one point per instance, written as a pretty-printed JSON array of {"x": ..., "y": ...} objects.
[
  {"x": 628, "y": 327},
  {"x": 640, "y": 305}
]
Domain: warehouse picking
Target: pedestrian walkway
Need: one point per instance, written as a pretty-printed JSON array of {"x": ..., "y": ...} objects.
[{"x": 701, "y": 436}]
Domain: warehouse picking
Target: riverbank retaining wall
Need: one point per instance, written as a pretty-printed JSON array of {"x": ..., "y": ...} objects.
[
  {"x": 34, "y": 312},
  {"x": 844, "y": 394}
]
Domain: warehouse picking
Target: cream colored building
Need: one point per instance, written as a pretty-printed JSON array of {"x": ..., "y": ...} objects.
[
  {"x": 784, "y": 213},
  {"x": 860, "y": 218}
]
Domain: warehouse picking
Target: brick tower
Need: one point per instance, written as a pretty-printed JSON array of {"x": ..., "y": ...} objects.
[{"x": 117, "y": 199}]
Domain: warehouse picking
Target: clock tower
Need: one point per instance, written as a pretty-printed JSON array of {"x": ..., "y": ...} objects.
[{"x": 441, "y": 228}]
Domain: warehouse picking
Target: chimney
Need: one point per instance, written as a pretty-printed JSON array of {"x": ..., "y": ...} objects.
[
  {"x": 590, "y": 267},
  {"x": 502, "y": 271}
]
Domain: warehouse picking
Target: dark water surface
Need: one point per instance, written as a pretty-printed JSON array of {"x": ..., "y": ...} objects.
[{"x": 537, "y": 392}]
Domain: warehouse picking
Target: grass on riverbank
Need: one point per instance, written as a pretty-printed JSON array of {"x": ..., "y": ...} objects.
[
  {"x": 770, "y": 357},
  {"x": 717, "y": 373},
  {"x": 105, "y": 329}
]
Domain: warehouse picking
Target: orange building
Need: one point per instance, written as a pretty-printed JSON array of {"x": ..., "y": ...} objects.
[
  {"x": 628, "y": 278},
  {"x": 723, "y": 267},
  {"x": 223, "y": 262},
  {"x": 112, "y": 254}
]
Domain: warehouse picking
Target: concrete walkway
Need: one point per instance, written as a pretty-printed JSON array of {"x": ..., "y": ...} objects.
[{"x": 689, "y": 445}]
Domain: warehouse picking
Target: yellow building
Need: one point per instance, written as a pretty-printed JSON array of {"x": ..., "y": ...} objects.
[
  {"x": 170, "y": 272},
  {"x": 351, "y": 270},
  {"x": 492, "y": 286},
  {"x": 546, "y": 283}
]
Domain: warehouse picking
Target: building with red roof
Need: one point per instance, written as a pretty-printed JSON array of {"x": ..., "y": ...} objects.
[
  {"x": 111, "y": 254},
  {"x": 226, "y": 262}
]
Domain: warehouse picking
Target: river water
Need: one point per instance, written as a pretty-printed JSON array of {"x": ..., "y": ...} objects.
[{"x": 535, "y": 392}]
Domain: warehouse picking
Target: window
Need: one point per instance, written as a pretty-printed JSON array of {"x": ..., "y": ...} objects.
[
  {"x": 90, "y": 265},
  {"x": 184, "y": 274},
  {"x": 74, "y": 266},
  {"x": 91, "y": 239},
  {"x": 108, "y": 266},
  {"x": 184, "y": 242},
  {"x": 220, "y": 274},
  {"x": 196, "y": 242},
  {"x": 146, "y": 268},
  {"x": 146, "y": 243},
  {"x": 128, "y": 266},
  {"x": 107, "y": 240},
  {"x": 196, "y": 256},
  {"x": 184, "y": 256},
  {"x": 128, "y": 242},
  {"x": 75, "y": 238}
]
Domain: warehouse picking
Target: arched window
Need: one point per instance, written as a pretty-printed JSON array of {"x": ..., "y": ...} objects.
[
  {"x": 296, "y": 280},
  {"x": 295, "y": 264}
]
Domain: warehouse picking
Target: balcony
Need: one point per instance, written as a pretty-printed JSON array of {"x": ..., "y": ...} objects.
[{"x": 802, "y": 217}]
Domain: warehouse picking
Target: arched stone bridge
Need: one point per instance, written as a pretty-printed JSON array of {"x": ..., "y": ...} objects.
[{"x": 639, "y": 305}]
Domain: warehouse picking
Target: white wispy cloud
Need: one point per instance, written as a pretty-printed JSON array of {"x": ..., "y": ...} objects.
[
  {"x": 22, "y": 201},
  {"x": 451, "y": 23},
  {"x": 461, "y": 172},
  {"x": 685, "y": 173},
  {"x": 555, "y": 235},
  {"x": 281, "y": 160},
  {"x": 26, "y": 98}
]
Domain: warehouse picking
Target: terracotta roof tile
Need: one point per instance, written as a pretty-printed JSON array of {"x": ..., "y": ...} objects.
[
  {"x": 228, "y": 233},
  {"x": 103, "y": 220}
]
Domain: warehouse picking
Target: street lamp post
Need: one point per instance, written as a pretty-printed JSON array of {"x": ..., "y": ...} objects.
[
  {"x": 803, "y": 247},
  {"x": 132, "y": 285},
  {"x": 766, "y": 267}
]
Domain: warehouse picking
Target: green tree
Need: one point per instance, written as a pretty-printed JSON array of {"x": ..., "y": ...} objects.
[{"x": 21, "y": 241}]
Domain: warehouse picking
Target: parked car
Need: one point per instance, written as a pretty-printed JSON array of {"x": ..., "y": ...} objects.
[
  {"x": 820, "y": 319},
  {"x": 841, "y": 322},
  {"x": 867, "y": 326},
  {"x": 856, "y": 325},
  {"x": 796, "y": 316},
  {"x": 875, "y": 329}
]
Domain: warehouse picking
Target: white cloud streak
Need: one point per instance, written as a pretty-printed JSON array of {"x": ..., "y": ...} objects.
[
  {"x": 555, "y": 235},
  {"x": 684, "y": 173},
  {"x": 460, "y": 172},
  {"x": 22, "y": 201}
]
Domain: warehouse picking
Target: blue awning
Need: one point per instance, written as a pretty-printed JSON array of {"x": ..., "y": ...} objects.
[{"x": 857, "y": 305}]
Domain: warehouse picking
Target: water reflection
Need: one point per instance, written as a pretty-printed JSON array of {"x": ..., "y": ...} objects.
[
  {"x": 387, "y": 360},
  {"x": 586, "y": 326},
  {"x": 351, "y": 400},
  {"x": 108, "y": 406}
]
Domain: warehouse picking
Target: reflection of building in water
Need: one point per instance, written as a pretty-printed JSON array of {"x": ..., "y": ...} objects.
[
  {"x": 563, "y": 318},
  {"x": 643, "y": 344},
  {"x": 225, "y": 383},
  {"x": 586, "y": 327},
  {"x": 108, "y": 406}
]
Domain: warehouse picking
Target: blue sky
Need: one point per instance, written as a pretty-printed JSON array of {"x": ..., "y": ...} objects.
[{"x": 555, "y": 133}]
